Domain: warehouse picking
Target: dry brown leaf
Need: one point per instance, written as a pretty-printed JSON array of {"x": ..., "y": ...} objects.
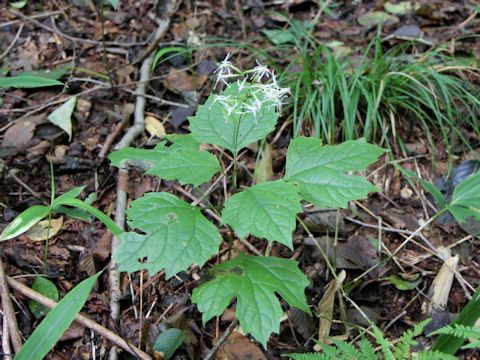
[
  {"x": 440, "y": 289},
  {"x": 239, "y": 347},
  {"x": 181, "y": 81},
  {"x": 264, "y": 168},
  {"x": 325, "y": 307},
  {"x": 19, "y": 134},
  {"x": 41, "y": 230},
  {"x": 154, "y": 127}
]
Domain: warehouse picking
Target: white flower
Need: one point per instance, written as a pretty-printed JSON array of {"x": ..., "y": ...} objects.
[
  {"x": 260, "y": 71},
  {"x": 226, "y": 70}
]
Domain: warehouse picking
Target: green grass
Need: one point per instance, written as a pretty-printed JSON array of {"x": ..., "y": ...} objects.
[{"x": 378, "y": 95}]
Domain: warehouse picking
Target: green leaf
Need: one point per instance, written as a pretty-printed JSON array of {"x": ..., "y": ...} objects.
[
  {"x": 56, "y": 322},
  {"x": 71, "y": 194},
  {"x": 466, "y": 199},
  {"x": 177, "y": 236},
  {"x": 168, "y": 342},
  {"x": 468, "y": 316},
  {"x": 62, "y": 117},
  {"x": 320, "y": 170},
  {"x": 109, "y": 223},
  {"x": 53, "y": 74},
  {"x": 148, "y": 156},
  {"x": 185, "y": 141},
  {"x": 402, "y": 284},
  {"x": 253, "y": 280},
  {"x": 21, "y": 82},
  {"x": 19, "y": 4},
  {"x": 432, "y": 189},
  {"x": 24, "y": 221},
  {"x": 267, "y": 210},
  {"x": 212, "y": 124},
  {"x": 114, "y": 4},
  {"x": 188, "y": 166},
  {"x": 173, "y": 50},
  {"x": 182, "y": 161},
  {"x": 279, "y": 36},
  {"x": 46, "y": 288}
]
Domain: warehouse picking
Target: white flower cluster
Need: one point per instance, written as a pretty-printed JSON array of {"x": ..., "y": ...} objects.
[{"x": 258, "y": 89}]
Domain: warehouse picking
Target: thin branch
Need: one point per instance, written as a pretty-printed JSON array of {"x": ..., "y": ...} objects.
[
  {"x": 8, "y": 311},
  {"x": 130, "y": 135},
  {"x": 220, "y": 341}
]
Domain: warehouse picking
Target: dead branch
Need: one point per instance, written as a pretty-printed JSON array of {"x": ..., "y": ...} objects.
[
  {"x": 130, "y": 135},
  {"x": 9, "y": 312}
]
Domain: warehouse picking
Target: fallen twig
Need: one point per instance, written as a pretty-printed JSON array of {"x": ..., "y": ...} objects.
[
  {"x": 14, "y": 41},
  {"x": 8, "y": 311},
  {"x": 130, "y": 135},
  {"x": 82, "y": 320},
  {"x": 222, "y": 339}
]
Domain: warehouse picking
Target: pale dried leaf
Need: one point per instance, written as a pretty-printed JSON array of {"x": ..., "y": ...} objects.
[
  {"x": 154, "y": 127},
  {"x": 41, "y": 230}
]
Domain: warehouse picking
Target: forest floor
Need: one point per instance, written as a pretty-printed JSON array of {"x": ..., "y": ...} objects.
[{"x": 67, "y": 37}]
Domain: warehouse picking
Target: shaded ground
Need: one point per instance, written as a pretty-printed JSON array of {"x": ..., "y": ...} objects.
[{"x": 57, "y": 34}]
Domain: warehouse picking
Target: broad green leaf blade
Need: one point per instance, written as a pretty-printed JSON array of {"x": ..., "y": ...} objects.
[
  {"x": 46, "y": 288},
  {"x": 168, "y": 342},
  {"x": 183, "y": 141},
  {"x": 30, "y": 82},
  {"x": 71, "y": 194},
  {"x": 109, "y": 223},
  {"x": 320, "y": 170},
  {"x": 267, "y": 210},
  {"x": 188, "y": 166},
  {"x": 24, "y": 221},
  {"x": 279, "y": 36},
  {"x": 148, "y": 156},
  {"x": 254, "y": 281},
  {"x": 56, "y": 322},
  {"x": 466, "y": 199},
  {"x": 213, "y": 125},
  {"x": 177, "y": 236},
  {"x": 182, "y": 161},
  {"x": 62, "y": 117}
]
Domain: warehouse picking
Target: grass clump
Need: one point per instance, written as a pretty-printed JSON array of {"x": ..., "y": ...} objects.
[{"x": 381, "y": 95}]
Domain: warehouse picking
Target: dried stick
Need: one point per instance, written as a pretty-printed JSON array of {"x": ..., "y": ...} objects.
[
  {"x": 131, "y": 134},
  {"x": 220, "y": 341},
  {"x": 12, "y": 44},
  {"x": 82, "y": 320},
  {"x": 7, "y": 350},
  {"x": 8, "y": 311}
]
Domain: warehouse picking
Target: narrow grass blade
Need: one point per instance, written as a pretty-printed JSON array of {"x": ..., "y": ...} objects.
[
  {"x": 109, "y": 223},
  {"x": 56, "y": 322}
]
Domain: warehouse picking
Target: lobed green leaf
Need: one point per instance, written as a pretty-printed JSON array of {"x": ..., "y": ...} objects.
[
  {"x": 253, "y": 280},
  {"x": 213, "y": 125},
  {"x": 177, "y": 236},
  {"x": 320, "y": 170}
]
